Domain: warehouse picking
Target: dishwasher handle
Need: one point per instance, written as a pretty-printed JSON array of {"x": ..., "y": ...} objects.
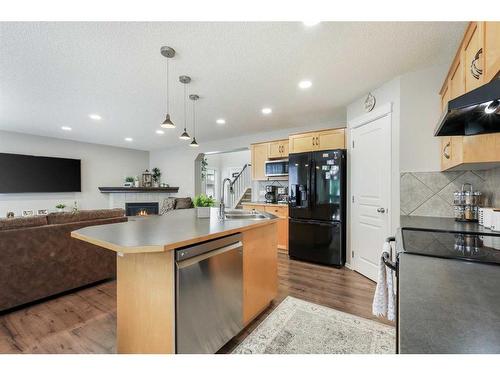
[{"x": 199, "y": 258}]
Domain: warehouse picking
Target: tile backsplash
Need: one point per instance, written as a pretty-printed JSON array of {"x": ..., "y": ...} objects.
[{"x": 431, "y": 193}]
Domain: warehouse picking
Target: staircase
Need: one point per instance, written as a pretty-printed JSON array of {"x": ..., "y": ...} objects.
[
  {"x": 240, "y": 190},
  {"x": 246, "y": 198}
]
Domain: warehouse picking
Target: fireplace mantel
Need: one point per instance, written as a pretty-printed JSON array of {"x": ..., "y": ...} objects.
[{"x": 123, "y": 189}]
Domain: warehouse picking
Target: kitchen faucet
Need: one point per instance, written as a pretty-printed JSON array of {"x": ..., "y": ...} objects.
[{"x": 222, "y": 207}]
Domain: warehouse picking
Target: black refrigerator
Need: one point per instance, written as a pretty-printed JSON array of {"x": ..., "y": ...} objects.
[{"x": 317, "y": 208}]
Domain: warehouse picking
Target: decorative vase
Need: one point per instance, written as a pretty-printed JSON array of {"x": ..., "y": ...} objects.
[
  {"x": 156, "y": 184},
  {"x": 136, "y": 183},
  {"x": 203, "y": 212},
  {"x": 60, "y": 210}
]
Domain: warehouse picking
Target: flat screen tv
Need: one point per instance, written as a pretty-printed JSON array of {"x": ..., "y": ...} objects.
[{"x": 38, "y": 174}]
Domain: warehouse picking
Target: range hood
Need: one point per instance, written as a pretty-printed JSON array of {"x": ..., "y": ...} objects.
[{"x": 477, "y": 112}]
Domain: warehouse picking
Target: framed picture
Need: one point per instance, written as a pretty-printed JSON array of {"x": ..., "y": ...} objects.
[
  {"x": 42, "y": 212},
  {"x": 28, "y": 213}
]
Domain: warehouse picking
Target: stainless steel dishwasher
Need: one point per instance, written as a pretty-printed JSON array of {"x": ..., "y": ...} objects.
[{"x": 209, "y": 294}]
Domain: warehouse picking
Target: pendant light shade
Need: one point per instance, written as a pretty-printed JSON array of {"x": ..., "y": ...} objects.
[
  {"x": 169, "y": 53},
  {"x": 185, "y": 80},
  {"x": 167, "y": 124},
  {"x": 194, "y": 143},
  {"x": 194, "y": 98}
]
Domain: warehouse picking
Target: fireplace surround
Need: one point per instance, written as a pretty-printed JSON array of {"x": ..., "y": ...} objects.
[{"x": 141, "y": 208}]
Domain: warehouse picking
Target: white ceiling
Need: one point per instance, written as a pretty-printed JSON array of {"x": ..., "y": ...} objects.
[{"x": 55, "y": 74}]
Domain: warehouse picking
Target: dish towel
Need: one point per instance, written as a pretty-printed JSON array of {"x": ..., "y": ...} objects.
[{"x": 384, "y": 301}]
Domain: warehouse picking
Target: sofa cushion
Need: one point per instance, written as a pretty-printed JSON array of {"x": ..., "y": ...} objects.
[
  {"x": 167, "y": 205},
  {"x": 23, "y": 222},
  {"x": 181, "y": 203},
  {"x": 84, "y": 215}
]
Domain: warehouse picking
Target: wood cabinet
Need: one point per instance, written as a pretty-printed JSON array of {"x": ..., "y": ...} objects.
[
  {"x": 282, "y": 213},
  {"x": 260, "y": 270},
  {"x": 278, "y": 149},
  {"x": 491, "y": 50},
  {"x": 316, "y": 141},
  {"x": 476, "y": 62},
  {"x": 260, "y": 154},
  {"x": 473, "y": 54}
]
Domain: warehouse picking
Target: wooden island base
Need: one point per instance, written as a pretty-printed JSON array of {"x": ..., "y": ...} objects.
[{"x": 146, "y": 291}]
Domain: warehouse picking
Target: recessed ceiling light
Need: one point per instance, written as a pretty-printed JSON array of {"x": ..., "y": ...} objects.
[
  {"x": 305, "y": 84},
  {"x": 67, "y": 128},
  {"x": 267, "y": 111},
  {"x": 310, "y": 23},
  {"x": 159, "y": 131},
  {"x": 128, "y": 139},
  {"x": 95, "y": 116},
  {"x": 220, "y": 121}
]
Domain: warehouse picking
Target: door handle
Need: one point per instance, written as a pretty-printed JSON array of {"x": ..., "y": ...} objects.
[
  {"x": 446, "y": 154},
  {"x": 381, "y": 210}
]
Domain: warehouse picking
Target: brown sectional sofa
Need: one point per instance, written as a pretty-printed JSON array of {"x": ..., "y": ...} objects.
[{"x": 38, "y": 258}]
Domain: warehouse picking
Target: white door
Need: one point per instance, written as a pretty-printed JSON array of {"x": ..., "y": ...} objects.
[{"x": 371, "y": 189}]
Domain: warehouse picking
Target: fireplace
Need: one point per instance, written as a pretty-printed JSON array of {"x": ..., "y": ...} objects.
[{"x": 141, "y": 209}]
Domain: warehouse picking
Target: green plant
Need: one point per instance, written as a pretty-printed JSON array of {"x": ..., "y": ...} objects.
[
  {"x": 204, "y": 164},
  {"x": 129, "y": 179},
  {"x": 61, "y": 206},
  {"x": 203, "y": 201},
  {"x": 156, "y": 174}
]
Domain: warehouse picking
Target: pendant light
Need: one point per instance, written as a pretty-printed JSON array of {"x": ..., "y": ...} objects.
[
  {"x": 194, "y": 98},
  {"x": 185, "y": 80},
  {"x": 168, "y": 52}
]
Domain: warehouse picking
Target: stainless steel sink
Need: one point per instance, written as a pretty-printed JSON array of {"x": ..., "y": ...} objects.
[{"x": 246, "y": 215}]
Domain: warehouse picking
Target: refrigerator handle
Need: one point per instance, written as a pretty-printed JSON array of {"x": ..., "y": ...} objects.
[{"x": 312, "y": 183}]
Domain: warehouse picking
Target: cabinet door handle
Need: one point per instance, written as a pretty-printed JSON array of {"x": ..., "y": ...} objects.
[
  {"x": 474, "y": 69},
  {"x": 446, "y": 154}
]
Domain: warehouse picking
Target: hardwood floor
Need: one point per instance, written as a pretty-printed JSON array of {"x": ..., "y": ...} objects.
[{"x": 85, "y": 321}]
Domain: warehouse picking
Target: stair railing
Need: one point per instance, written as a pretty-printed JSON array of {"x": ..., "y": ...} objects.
[{"x": 238, "y": 187}]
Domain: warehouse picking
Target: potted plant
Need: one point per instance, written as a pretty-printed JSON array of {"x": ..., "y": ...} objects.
[
  {"x": 129, "y": 182},
  {"x": 156, "y": 177},
  {"x": 60, "y": 207},
  {"x": 203, "y": 204}
]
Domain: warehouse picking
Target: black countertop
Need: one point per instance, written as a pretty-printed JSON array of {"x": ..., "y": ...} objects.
[
  {"x": 443, "y": 224},
  {"x": 446, "y": 305}
]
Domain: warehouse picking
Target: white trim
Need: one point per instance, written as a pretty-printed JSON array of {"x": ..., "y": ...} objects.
[
  {"x": 348, "y": 265},
  {"x": 381, "y": 111},
  {"x": 371, "y": 116}
]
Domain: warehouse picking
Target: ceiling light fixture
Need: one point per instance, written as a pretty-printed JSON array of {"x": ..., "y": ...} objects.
[
  {"x": 185, "y": 80},
  {"x": 194, "y": 98},
  {"x": 128, "y": 139},
  {"x": 267, "y": 111},
  {"x": 305, "y": 84},
  {"x": 311, "y": 23},
  {"x": 66, "y": 128},
  {"x": 221, "y": 121},
  {"x": 167, "y": 52},
  {"x": 95, "y": 117},
  {"x": 159, "y": 131}
]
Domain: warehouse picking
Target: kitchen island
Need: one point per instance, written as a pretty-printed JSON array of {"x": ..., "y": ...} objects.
[{"x": 146, "y": 270}]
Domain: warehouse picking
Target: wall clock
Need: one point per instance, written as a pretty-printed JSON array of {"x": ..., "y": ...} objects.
[{"x": 370, "y": 102}]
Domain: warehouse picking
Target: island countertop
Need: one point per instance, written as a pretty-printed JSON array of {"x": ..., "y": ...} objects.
[{"x": 175, "y": 229}]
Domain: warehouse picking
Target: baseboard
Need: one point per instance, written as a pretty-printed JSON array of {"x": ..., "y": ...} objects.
[{"x": 348, "y": 265}]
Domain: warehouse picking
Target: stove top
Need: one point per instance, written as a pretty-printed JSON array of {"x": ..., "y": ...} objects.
[{"x": 472, "y": 247}]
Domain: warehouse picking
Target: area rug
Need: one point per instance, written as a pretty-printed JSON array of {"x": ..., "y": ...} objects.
[{"x": 301, "y": 327}]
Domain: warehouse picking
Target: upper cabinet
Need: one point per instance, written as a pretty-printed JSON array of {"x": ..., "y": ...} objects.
[
  {"x": 473, "y": 54},
  {"x": 491, "y": 49},
  {"x": 315, "y": 141},
  {"x": 260, "y": 153},
  {"x": 278, "y": 149},
  {"x": 476, "y": 62}
]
